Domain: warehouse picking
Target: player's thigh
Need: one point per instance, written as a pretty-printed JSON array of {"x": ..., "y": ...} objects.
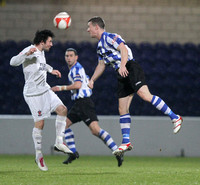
[
  {"x": 73, "y": 115},
  {"x": 56, "y": 104},
  {"x": 144, "y": 93},
  {"x": 38, "y": 106},
  {"x": 88, "y": 111},
  {"x": 136, "y": 76}
]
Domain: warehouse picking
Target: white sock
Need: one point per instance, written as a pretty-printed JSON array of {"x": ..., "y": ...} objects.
[
  {"x": 60, "y": 128},
  {"x": 37, "y": 139}
]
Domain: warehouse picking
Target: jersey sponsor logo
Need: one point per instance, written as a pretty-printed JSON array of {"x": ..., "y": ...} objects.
[
  {"x": 115, "y": 38},
  {"x": 42, "y": 67}
]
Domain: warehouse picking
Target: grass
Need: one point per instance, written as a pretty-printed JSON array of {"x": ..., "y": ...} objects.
[{"x": 100, "y": 170}]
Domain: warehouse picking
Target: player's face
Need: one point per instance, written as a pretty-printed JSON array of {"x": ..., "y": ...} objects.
[
  {"x": 70, "y": 58},
  {"x": 48, "y": 44},
  {"x": 92, "y": 30}
]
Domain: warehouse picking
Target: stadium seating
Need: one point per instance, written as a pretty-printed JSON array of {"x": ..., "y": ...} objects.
[{"x": 172, "y": 72}]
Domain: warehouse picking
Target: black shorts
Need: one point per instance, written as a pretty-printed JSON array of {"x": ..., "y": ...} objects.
[
  {"x": 83, "y": 110},
  {"x": 132, "y": 83}
]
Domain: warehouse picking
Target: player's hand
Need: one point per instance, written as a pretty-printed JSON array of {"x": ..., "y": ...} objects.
[
  {"x": 91, "y": 84},
  {"x": 123, "y": 71},
  {"x": 57, "y": 73},
  {"x": 31, "y": 51},
  {"x": 55, "y": 88}
]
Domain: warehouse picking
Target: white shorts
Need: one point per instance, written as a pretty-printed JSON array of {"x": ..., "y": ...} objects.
[{"x": 43, "y": 105}]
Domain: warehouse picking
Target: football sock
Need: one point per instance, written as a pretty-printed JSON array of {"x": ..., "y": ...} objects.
[
  {"x": 162, "y": 106},
  {"x": 37, "y": 139},
  {"x": 69, "y": 138},
  {"x": 60, "y": 128},
  {"x": 125, "y": 122},
  {"x": 107, "y": 139}
]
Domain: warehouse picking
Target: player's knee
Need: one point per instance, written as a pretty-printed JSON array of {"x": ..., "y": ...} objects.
[
  {"x": 145, "y": 94},
  {"x": 146, "y": 97},
  {"x": 94, "y": 132},
  {"x": 68, "y": 123},
  {"x": 61, "y": 110},
  {"x": 94, "y": 128}
]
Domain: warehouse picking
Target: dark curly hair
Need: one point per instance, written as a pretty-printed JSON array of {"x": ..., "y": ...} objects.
[{"x": 42, "y": 36}]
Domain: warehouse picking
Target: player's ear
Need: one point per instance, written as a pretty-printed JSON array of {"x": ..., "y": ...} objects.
[
  {"x": 76, "y": 57},
  {"x": 96, "y": 27},
  {"x": 42, "y": 42}
]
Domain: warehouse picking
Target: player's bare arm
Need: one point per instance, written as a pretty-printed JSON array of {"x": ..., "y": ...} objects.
[
  {"x": 56, "y": 72},
  {"x": 124, "y": 57},
  {"x": 74, "y": 86},
  {"x": 97, "y": 73}
]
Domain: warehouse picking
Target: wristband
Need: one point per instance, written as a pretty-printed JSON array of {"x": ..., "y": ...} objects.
[
  {"x": 59, "y": 87},
  {"x": 62, "y": 88}
]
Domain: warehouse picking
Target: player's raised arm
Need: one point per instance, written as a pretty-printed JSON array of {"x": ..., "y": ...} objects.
[
  {"x": 21, "y": 57},
  {"x": 56, "y": 72},
  {"x": 97, "y": 73}
]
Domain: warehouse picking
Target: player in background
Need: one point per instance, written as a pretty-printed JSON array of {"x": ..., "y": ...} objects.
[
  {"x": 38, "y": 95},
  {"x": 83, "y": 108},
  {"x": 113, "y": 51}
]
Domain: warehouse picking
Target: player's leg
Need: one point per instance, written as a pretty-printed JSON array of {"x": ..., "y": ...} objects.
[
  {"x": 103, "y": 135},
  {"x": 60, "y": 125},
  {"x": 125, "y": 123},
  {"x": 106, "y": 138},
  {"x": 72, "y": 117},
  {"x": 56, "y": 105},
  {"x": 35, "y": 104},
  {"x": 37, "y": 139},
  {"x": 88, "y": 114},
  {"x": 69, "y": 139},
  {"x": 69, "y": 136},
  {"x": 159, "y": 104}
]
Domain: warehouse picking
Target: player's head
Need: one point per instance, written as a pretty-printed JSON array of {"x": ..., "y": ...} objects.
[
  {"x": 71, "y": 57},
  {"x": 73, "y": 50},
  {"x": 44, "y": 38},
  {"x": 97, "y": 21},
  {"x": 96, "y": 27}
]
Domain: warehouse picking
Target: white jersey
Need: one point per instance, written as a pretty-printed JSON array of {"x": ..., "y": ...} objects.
[
  {"x": 77, "y": 73},
  {"x": 35, "y": 71}
]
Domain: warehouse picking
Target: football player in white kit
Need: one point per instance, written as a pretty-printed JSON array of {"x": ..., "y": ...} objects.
[{"x": 41, "y": 100}]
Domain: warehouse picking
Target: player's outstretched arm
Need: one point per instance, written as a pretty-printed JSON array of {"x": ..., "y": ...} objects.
[
  {"x": 97, "y": 73},
  {"x": 56, "y": 72},
  {"x": 74, "y": 86},
  {"x": 20, "y": 58}
]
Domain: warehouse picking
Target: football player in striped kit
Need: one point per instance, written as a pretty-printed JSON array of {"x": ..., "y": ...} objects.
[
  {"x": 113, "y": 51},
  {"x": 38, "y": 95},
  {"x": 83, "y": 108}
]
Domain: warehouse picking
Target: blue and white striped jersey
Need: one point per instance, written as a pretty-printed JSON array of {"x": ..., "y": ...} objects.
[
  {"x": 77, "y": 73},
  {"x": 107, "y": 49}
]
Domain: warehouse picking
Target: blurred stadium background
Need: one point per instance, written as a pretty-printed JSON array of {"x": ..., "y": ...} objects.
[{"x": 163, "y": 35}]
